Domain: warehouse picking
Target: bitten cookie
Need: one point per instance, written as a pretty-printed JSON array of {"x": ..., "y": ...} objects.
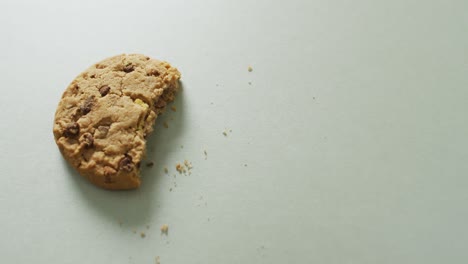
[{"x": 107, "y": 112}]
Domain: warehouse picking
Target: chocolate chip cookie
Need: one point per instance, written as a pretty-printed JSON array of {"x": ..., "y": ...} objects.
[{"x": 106, "y": 113}]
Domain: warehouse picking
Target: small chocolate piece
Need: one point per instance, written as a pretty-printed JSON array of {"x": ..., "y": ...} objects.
[
  {"x": 126, "y": 163},
  {"x": 104, "y": 90},
  {"x": 71, "y": 130},
  {"x": 160, "y": 104},
  {"x": 128, "y": 68},
  {"x": 86, "y": 107},
  {"x": 87, "y": 139},
  {"x": 150, "y": 164},
  {"x": 153, "y": 72}
]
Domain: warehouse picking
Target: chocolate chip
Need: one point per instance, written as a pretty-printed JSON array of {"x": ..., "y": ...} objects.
[
  {"x": 150, "y": 164},
  {"x": 87, "y": 139},
  {"x": 86, "y": 107},
  {"x": 153, "y": 72},
  {"x": 93, "y": 76},
  {"x": 160, "y": 104},
  {"x": 104, "y": 90},
  {"x": 71, "y": 130},
  {"x": 126, "y": 163},
  {"x": 128, "y": 68}
]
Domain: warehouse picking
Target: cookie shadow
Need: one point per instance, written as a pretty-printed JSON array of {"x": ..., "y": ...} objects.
[{"x": 136, "y": 208}]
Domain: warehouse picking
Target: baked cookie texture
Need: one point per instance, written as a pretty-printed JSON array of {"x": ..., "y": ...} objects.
[{"x": 106, "y": 113}]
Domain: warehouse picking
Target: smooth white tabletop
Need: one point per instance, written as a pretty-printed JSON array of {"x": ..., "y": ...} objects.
[{"x": 349, "y": 145}]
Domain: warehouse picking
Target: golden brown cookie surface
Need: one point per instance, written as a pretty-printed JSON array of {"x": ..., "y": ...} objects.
[{"x": 106, "y": 113}]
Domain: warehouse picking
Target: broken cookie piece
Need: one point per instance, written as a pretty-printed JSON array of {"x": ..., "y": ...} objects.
[{"x": 107, "y": 112}]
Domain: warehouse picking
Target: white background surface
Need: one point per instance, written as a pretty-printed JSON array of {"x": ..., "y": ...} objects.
[{"x": 354, "y": 132}]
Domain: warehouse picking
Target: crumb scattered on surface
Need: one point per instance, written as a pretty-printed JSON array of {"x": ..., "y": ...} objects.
[
  {"x": 166, "y": 170},
  {"x": 250, "y": 83},
  {"x": 225, "y": 133},
  {"x": 164, "y": 229},
  {"x": 180, "y": 168},
  {"x": 143, "y": 235},
  {"x": 230, "y": 130},
  {"x": 188, "y": 164},
  {"x": 170, "y": 189},
  {"x": 173, "y": 108},
  {"x": 206, "y": 154},
  {"x": 184, "y": 167},
  {"x": 149, "y": 164},
  {"x": 250, "y": 68},
  {"x": 245, "y": 165},
  {"x": 165, "y": 124},
  {"x": 156, "y": 260}
]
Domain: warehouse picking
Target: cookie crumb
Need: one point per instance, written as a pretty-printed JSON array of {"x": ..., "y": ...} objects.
[
  {"x": 149, "y": 164},
  {"x": 165, "y": 124},
  {"x": 166, "y": 170},
  {"x": 250, "y": 83},
  {"x": 250, "y": 68},
  {"x": 188, "y": 164},
  {"x": 206, "y": 154},
  {"x": 225, "y": 133},
  {"x": 164, "y": 229},
  {"x": 173, "y": 108},
  {"x": 143, "y": 235},
  {"x": 156, "y": 260},
  {"x": 245, "y": 165},
  {"x": 180, "y": 168}
]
